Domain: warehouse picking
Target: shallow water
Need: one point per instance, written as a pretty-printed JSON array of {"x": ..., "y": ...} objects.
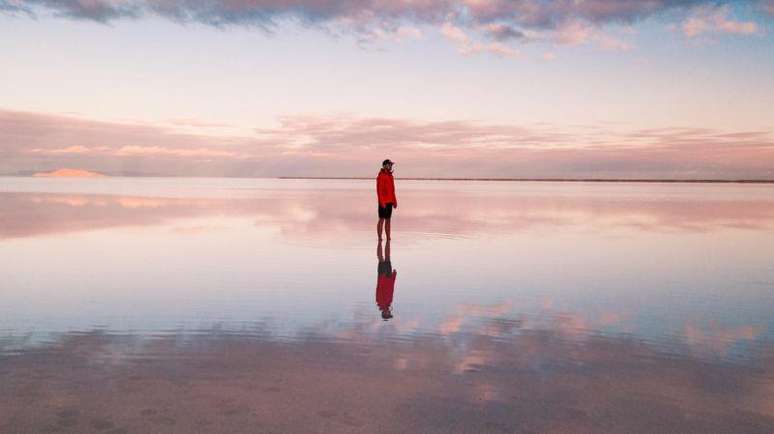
[{"x": 229, "y": 305}]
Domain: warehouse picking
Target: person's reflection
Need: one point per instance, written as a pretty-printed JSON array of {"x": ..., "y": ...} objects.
[{"x": 385, "y": 280}]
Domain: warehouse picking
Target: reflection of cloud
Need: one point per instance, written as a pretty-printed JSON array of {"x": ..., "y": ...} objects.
[
  {"x": 761, "y": 398},
  {"x": 345, "y": 145},
  {"x": 471, "y": 362},
  {"x": 535, "y": 380},
  {"x": 194, "y": 230},
  {"x": 323, "y": 214},
  {"x": 147, "y": 202},
  {"x": 498, "y": 320},
  {"x": 465, "y": 312},
  {"x": 63, "y": 199},
  {"x": 717, "y": 339},
  {"x": 33, "y": 214}
]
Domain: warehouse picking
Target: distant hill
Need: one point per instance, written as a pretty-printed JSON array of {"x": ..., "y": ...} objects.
[{"x": 69, "y": 173}]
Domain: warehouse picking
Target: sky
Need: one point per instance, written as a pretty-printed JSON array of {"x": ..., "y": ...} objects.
[{"x": 677, "y": 89}]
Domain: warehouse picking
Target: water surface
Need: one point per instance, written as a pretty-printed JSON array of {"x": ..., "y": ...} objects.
[{"x": 228, "y": 305}]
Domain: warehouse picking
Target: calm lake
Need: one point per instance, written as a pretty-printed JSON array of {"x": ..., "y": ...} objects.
[{"x": 250, "y": 305}]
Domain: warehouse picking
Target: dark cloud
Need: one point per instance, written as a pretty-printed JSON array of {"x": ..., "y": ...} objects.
[
  {"x": 503, "y": 32},
  {"x": 96, "y": 10},
  {"x": 244, "y": 12},
  {"x": 12, "y": 7},
  {"x": 550, "y": 14},
  {"x": 509, "y": 18}
]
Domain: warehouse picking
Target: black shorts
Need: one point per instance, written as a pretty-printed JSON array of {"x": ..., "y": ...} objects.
[
  {"x": 384, "y": 268},
  {"x": 386, "y": 211}
]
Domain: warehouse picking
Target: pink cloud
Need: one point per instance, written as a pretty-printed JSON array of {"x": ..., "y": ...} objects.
[
  {"x": 347, "y": 146},
  {"x": 574, "y": 33},
  {"x": 579, "y": 33},
  {"x": 128, "y": 151},
  {"x": 716, "y": 20},
  {"x": 68, "y": 150},
  {"x": 467, "y": 46}
]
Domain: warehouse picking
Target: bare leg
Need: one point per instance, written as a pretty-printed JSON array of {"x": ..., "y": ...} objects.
[
  {"x": 386, "y": 249},
  {"x": 387, "y": 229},
  {"x": 379, "y": 227}
]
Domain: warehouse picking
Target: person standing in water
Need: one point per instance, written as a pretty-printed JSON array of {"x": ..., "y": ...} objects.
[{"x": 385, "y": 192}]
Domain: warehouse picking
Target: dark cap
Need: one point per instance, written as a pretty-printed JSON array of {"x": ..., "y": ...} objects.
[{"x": 387, "y": 161}]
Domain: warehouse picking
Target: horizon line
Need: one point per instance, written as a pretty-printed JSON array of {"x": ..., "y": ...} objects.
[
  {"x": 665, "y": 180},
  {"x": 485, "y": 179}
]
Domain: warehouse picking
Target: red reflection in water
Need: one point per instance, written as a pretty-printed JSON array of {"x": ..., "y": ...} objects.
[{"x": 385, "y": 280}]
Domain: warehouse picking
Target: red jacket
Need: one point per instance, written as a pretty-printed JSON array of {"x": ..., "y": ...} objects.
[
  {"x": 385, "y": 286},
  {"x": 385, "y": 188}
]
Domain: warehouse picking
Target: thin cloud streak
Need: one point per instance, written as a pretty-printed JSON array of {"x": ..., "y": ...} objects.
[{"x": 348, "y": 146}]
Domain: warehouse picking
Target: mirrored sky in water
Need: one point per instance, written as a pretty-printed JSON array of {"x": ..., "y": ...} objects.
[
  {"x": 295, "y": 252},
  {"x": 553, "y": 289}
]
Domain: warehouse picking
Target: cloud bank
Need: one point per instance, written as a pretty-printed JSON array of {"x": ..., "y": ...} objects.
[
  {"x": 347, "y": 146},
  {"x": 490, "y": 23}
]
